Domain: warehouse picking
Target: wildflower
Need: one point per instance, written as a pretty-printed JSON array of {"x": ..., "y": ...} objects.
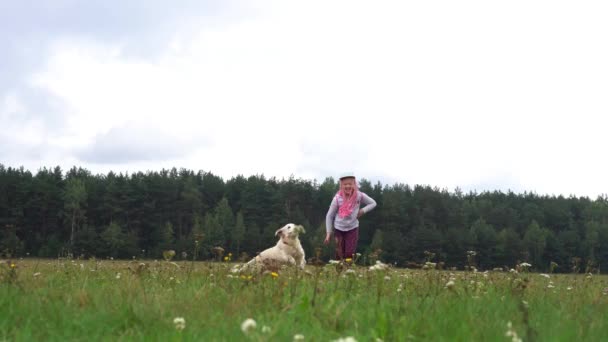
[
  {"x": 36, "y": 274},
  {"x": 348, "y": 260},
  {"x": 226, "y": 258},
  {"x": 512, "y": 333},
  {"x": 180, "y": 323},
  {"x": 449, "y": 284},
  {"x": 265, "y": 329},
  {"x": 605, "y": 292},
  {"x": 350, "y": 271},
  {"x": 118, "y": 275},
  {"x": 545, "y": 275},
  {"x": 378, "y": 266},
  {"x": 346, "y": 339},
  {"x": 525, "y": 265},
  {"x": 387, "y": 278},
  {"x": 550, "y": 286},
  {"x": 274, "y": 274},
  {"x": 298, "y": 337},
  {"x": 13, "y": 265},
  {"x": 333, "y": 262},
  {"x": 569, "y": 288},
  {"x": 248, "y": 325}
]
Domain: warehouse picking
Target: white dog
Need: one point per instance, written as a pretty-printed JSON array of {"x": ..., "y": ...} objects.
[{"x": 287, "y": 251}]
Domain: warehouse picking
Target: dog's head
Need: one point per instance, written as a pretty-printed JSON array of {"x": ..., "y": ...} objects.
[{"x": 290, "y": 232}]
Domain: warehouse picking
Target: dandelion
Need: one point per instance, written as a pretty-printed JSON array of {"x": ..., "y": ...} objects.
[
  {"x": 274, "y": 274},
  {"x": 265, "y": 329},
  {"x": 13, "y": 265},
  {"x": 248, "y": 325},
  {"x": 348, "y": 260},
  {"x": 298, "y": 337},
  {"x": 180, "y": 323},
  {"x": 226, "y": 258}
]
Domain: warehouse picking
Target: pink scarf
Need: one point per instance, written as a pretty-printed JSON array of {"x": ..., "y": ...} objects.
[{"x": 348, "y": 203}]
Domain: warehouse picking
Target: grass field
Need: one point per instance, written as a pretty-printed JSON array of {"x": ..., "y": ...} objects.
[{"x": 59, "y": 300}]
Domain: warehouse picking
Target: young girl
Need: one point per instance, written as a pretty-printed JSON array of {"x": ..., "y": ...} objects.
[{"x": 343, "y": 216}]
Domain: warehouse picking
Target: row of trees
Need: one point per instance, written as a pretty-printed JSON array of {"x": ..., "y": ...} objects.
[{"x": 125, "y": 215}]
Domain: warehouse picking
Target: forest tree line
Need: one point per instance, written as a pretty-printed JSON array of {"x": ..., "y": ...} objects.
[{"x": 53, "y": 213}]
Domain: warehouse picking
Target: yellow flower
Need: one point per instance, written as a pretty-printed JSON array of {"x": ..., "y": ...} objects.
[
  {"x": 229, "y": 254},
  {"x": 249, "y": 277},
  {"x": 243, "y": 277},
  {"x": 226, "y": 258},
  {"x": 274, "y": 274},
  {"x": 13, "y": 265},
  {"x": 348, "y": 259}
]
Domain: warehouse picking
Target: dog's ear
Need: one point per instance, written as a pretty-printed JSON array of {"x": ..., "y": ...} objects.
[{"x": 279, "y": 232}]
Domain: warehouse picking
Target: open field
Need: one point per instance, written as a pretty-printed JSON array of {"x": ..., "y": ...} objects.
[{"x": 139, "y": 300}]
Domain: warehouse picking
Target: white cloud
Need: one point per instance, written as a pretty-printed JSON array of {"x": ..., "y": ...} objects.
[{"x": 471, "y": 94}]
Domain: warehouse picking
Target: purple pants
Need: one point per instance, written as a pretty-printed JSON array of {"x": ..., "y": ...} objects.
[{"x": 346, "y": 243}]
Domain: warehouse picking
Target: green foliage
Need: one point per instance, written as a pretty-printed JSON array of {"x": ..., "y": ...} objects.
[{"x": 78, "y": 212}]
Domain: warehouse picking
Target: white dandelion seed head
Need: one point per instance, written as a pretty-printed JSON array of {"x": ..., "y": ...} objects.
[
  {"x": 346, "y": 339},
  {"x": 248, "y": 325},
  {"x": 180, "y": 323}
]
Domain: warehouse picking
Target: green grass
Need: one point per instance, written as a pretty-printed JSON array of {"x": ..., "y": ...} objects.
[{"x": 83, "y": 300}]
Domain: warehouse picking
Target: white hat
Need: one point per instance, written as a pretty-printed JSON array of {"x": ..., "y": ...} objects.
[{"x": 349, "y": 174}]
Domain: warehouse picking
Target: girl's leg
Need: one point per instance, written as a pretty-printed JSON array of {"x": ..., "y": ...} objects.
[
  {"x": 350, "y": 243},
  {"x": 339, "y": 236}
]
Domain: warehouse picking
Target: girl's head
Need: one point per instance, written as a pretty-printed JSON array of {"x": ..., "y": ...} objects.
[{"x": 348, "y": 185}]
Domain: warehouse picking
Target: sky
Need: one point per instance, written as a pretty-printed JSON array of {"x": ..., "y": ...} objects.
[{"x": 479, "y": 95}]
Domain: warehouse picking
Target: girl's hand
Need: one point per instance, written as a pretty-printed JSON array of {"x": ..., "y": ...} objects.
[
  {"x": 360, "y": 213},
  {"x": 327, "y": 238}
]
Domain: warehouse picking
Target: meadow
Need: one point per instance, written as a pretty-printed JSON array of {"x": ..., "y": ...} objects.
[{"x": 148, "y": 300}]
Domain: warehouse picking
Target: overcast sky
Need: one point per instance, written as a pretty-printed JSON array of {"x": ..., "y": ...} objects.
[{"x": 481, "y": 95}]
